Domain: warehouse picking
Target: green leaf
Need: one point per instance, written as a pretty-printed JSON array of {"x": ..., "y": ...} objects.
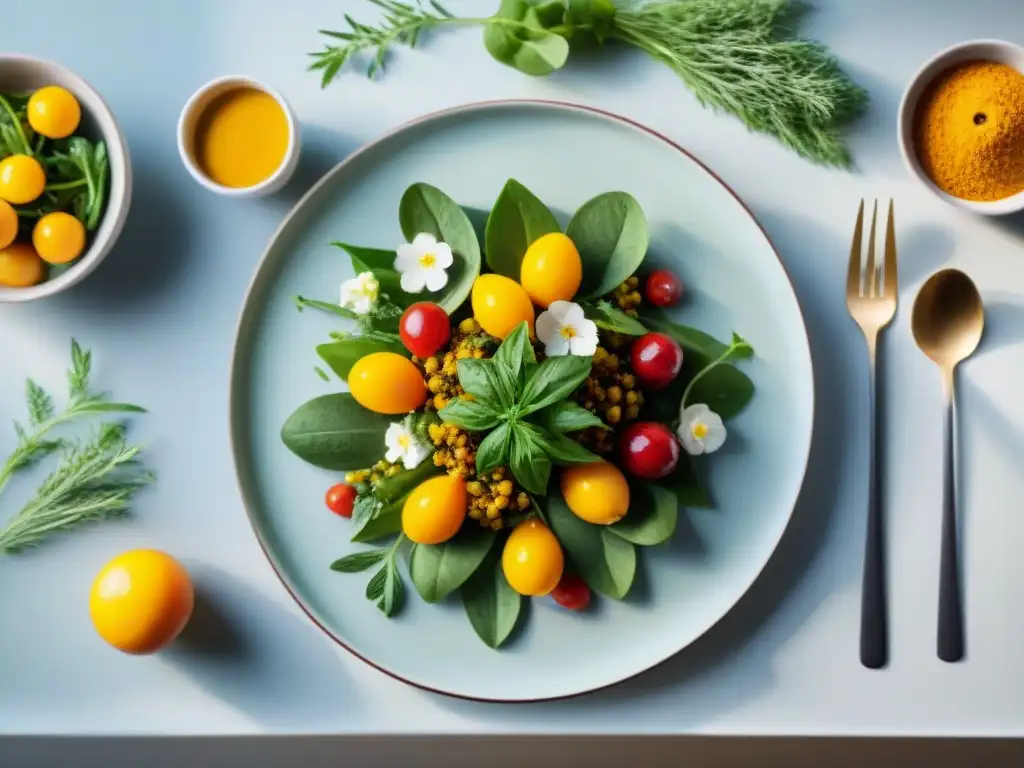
[
  {"x": 40, "y": 404},
  {"x": 553, "y": 380},
  {"x": 692, "y": 341},
  {"x": 527, "y": 46},
  {"x": 438, "y": 570},
  {"x": 359, "y": 561},
  {"x": 528, "y": 460},
  {"x": 385, "y": 589},
  {"x": 386, "y": 521},
  {"x": 398, "y": 485},
  {"x": 493, "y": 451},
  {"x": 686, "y": 486},
  {"x": 597, "y": 16},
  {"x": 341, "y": 355},
  {"x": 567, "y": 416},
  {"x": 424, "y": 208},
  {"x": 486, "y": 382},
  {"x": 605, "y": 561},
  {"x": 364, "y": 509},
  {"x": 301, "y": 303},
  {"x": 652, "y": 517},
  {"x": 469, "y": 414},
  {"x": 335, "y": 432},
  {"x": 610, "y": 232},
  {"x": 516, "y": 353},
  {"x": 100, "y": 406},
  {"x": 724, "y": 389},
  {"x": 516, "y": 220},
  {"x": 562, "y": 450},
  {"x": 382, "y": 264},
  {"x": 492, "y": 606},
  {"x": 611, "y": 318}
]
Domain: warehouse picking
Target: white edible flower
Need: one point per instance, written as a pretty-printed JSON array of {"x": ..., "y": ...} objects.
[
  {"x": 700, "y": 430},
  {"x": 423, "y": 263},
  {"x": 360, "y": 293},
  {"x": 563, "y": 330},
  {"x": 404, "y": 446}
]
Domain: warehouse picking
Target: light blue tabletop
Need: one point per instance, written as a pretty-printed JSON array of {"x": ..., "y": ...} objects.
[{"x": 160, "y": 314}]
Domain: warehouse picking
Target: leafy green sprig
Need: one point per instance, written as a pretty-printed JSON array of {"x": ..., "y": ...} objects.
[{"x": 385, "y": 589}]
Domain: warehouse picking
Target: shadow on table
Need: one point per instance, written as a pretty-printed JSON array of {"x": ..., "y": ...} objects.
[
  {"x": 1004, "y": 321},
  {"x": 322, "y": 149},
  {"x": 269, "y": 664}
]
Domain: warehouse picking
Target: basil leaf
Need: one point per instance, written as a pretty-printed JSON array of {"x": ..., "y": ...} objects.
[
  {"x": 386, "y": 521},
  {"x": 686, "y": 486},
  {"x": 553, "y": 380},
  {"x": 493, "y": 451},
  {"x": 365, "y": 508},
  {"x": 724, "y": 389},
  {"x": 398, "y": 485},
  {"x": 394, "y": 590},
  {"x": 375, "y": 586},
  {"x": 528, "y": 47},
  {"x": 473, "y": 415},
  {"x": 335, "y": 432},
  {"x": 516, "y": 220},
  {"x": 652, "y": 517},
  {"x": 486, "y": 383},
  {"x": 562, "y": 450},
  {"x": 492, "y": 606},
  {"x": 438, "y": 570},
  {"x": 358, "y": 561},
  {"x": 610, "y": 232},
  {"x": 515, "y": 353},
  {"x": 527, "y": 459},
  {"x": 605, "y": 561},
  {"x": 424, "y": 208},
  {"x": 610, "y": 318},
  {"x": 341, "y": 355},
  {"x": 567, "y": 416}
]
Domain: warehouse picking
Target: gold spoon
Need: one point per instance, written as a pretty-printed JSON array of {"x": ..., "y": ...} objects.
[{"x": 948, "y": 320}]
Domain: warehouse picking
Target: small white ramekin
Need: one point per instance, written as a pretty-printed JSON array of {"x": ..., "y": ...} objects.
[
  {"x": 972, "y": 50},
  {"x": 189, "y": 117}
]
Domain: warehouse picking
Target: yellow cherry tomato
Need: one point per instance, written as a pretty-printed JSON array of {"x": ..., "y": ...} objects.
[
  {"x": 141, "y": 600},
  {"x": 551, "y": 269},
  {"x": 500, "y": 304},
  {"x": 596, "y": 492},
  {"x": 8, "y": 224},
  {"x": 22, "y": 179},
  {"x": 532, "y": 559},
  {"x": 54, "y": 112},
  {"x": 59, "y": 237},
  {"x": 435, "y": 509},
  {"x": 20, "y": 267},
  {"x": 386, "y": 382}
]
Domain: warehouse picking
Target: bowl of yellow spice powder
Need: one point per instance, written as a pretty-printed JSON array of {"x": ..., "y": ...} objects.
[{"x": 961, "y": 126}]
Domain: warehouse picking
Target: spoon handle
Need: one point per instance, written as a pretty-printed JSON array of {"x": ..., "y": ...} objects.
[
  {"x": 951, "y": 629},
  {"x": 873, "y": 650}
]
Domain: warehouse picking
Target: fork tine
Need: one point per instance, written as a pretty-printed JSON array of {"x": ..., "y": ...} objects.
[
  {"x": 870, "y": 288},
  {"x": 853, "y": 271},
  {"x": 891, "y": 275}
]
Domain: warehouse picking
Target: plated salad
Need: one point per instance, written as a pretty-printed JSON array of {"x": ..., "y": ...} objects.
[{"x": 523, "y": 415}]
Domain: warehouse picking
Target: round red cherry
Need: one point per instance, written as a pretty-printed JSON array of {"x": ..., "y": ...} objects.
[
  {"x": 424, "y": 328},
  {"x": 663, "y": 288},
  {"x": 648, "y": 450},
  {"x": 571, "y": 592},
  {"x": 340, "y": 499},
  {"x": 656, "y": 360}
]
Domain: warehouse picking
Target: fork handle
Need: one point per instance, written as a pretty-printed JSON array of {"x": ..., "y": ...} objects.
[
  {"x": 951, "y": 622},
  {"x": 873, "y": 633}
]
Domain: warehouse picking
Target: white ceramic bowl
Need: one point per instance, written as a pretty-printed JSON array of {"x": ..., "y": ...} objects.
[
  {"x": 194, "y": 107},
  {"x": 972, "y": 50},
  {"x": 27, "y": 73}
]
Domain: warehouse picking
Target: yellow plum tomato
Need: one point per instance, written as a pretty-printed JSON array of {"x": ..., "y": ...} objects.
[
  {"x": 596, "y": 492},
  {"x": 532, "y": 559},
  {"x": 54, "y": 112},
  {"x": 20, "y": 267},
  {"x": 551, "y": 269},
  {"x": 22, "y": 179},
  {"x": 8, "y": 224},
  {"x": 386, "y": 382},
  {"x": 435, "y": 509},
  {"x": 59, "y": 237},
  {"x": 500, "y": 304}
]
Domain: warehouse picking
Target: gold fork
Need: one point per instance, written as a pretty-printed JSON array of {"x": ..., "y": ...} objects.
[{"x": 872, "y": 305}]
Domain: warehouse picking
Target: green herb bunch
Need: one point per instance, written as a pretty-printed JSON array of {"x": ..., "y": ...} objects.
[
  {"x": 77, "y": 169},
  {"x": 95, "y": 479},
  {"x": 740, "y": 56}
]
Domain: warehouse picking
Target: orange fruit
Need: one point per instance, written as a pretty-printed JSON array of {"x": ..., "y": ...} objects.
[
  {"x": 141, "y": 600},
  {"x": 435, "y": 509},
  {"x": 551, "y": 270},
  {"x": 386, "y": 382},
  {"x": 532, "y": 559},
  {"x": 8, "y": 224},
  {"x": 20, "y": 266},
  {"x": 54, "y": 112},
  {"x": 596, "y": 492},
  {"x": 58, "y": 237},
  {"x": 500, "y": 304},
  {"x": 22, "y": 179}
]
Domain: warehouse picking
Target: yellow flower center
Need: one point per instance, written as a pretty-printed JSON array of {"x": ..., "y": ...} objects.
[
  {"x": 428, "y": 260},
  {"x": 699, "y": 430},
  {"x": 403, "y": 442},
  {"x": 568, "y": 332}
]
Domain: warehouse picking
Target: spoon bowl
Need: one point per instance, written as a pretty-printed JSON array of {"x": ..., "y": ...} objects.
[{"x": 948, "y": 318}]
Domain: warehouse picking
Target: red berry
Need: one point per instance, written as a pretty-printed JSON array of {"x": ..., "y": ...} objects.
[
  {"x": 663, "y": 288},
  {"x": 572, "y": 592},
  {"x": 424, "y": 328},
  {"x": 656, "y": 360},
  {"x": 340, "y": 499},
  {"x": 648, "y": 450}
]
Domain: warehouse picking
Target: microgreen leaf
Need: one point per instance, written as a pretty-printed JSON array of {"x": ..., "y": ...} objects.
[
  {"x": 567, "y": 416},
  {"x": 40, "y": 404},
  {"x": 489, "y": 384},
  {"x": 553, "y": 380},
  {"x": 359, "y": 561},
  {"x": 611, "y": 318},
  {"x": 473, "y": 415},
  {"x": 516, "y": 353}
]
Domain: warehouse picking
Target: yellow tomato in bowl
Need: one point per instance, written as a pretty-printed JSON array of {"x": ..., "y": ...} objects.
[
  {"x": 22, "y": 179},
  {"x": 20, "y": 266},
  {"x": 8, "y": 224},
  {"x": 500, "y": 304},
  {"x": 54, "y": 112},
  {"x": 58, "y": 237},
  {"x": 551, "y": 269}
]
